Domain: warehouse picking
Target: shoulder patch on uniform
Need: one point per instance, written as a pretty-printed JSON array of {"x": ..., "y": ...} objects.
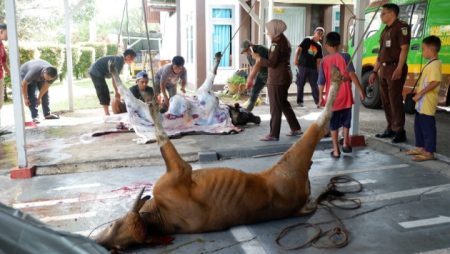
[
  {"x": 405, "y": 31},
  {"x": 273, "y": 46}
]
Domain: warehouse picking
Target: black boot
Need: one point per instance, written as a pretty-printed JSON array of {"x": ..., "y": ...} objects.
[
  {"x": 386, "y": 134},
  {"x": 399, "y": 137}
]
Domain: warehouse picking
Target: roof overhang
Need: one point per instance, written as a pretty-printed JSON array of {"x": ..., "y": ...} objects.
[{"x": 328, "y": 2}]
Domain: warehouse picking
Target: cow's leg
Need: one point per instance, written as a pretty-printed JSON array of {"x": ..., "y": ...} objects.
[
  {"x": 173, "y": 160},
  {"x": 298, "y": 157}
]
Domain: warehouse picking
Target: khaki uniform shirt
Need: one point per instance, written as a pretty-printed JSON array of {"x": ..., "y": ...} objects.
[
  {"x": 279, "y": 62},
  {"x": 391, "y": 40}
]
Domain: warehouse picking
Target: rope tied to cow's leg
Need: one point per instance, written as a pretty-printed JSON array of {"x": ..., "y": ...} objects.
[{"x": 337, "y": 236}]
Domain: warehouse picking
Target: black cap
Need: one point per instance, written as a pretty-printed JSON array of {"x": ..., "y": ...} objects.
[{"x": 3, "y": 26}]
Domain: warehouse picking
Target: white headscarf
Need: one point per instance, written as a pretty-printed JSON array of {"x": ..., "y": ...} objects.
[{"x": 275, "y": 27}]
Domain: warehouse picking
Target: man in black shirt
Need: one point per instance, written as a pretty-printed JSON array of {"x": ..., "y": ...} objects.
[
  {"x": 307, "y": 59},
  {"x": 257, "y": 77}
]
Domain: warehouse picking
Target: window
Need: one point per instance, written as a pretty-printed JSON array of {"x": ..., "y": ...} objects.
[
  {"x": 222, "y": 28},
  {"x": 418, "y": 20},
  {"x": 374, "y": 26},
  {"x": 189, "y": 38},
  {"x": 338, "y": 16},
  {"x": 405, "y": 12}
]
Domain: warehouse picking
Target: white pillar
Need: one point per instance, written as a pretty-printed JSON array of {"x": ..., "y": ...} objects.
[
  {"x": 178, "y": 10},
  {"x": 262, "y": 20},
  {"x": 360, "y": 6},
  {"x": 10, "y": 9},
  {"x": 69, "y": 77}
]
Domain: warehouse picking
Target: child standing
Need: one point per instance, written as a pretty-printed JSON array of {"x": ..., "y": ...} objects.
[
  {"x": 426, "y": 101},
  {"x": 342, "y": 107}
]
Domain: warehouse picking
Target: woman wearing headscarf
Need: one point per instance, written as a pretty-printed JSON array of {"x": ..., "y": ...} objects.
[{"x": 278, "y": 81}]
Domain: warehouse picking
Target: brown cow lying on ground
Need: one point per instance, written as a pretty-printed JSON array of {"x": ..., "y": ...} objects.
[{"x": 212, "y": 199}]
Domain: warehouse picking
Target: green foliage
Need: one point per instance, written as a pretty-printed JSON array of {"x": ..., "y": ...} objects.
[
  {"x": 75, "y": 59},
  {"x": 100, "y": 48},
  {"x": 25, "y": 55},
  {"x": 51, "y": 54},
  {"x": 87, "y": 55},
  {"x": 236, "y": 80},
  {"x": 111, "y": 49},
  {"x": 83, "y": 11}
]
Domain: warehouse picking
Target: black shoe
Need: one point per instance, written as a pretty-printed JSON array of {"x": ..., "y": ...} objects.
[
  {"x": 399, "y": 137},
  {"x": 386, "y": 134}
]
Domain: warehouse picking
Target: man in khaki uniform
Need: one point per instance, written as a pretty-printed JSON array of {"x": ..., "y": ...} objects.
[{"x": 391, "y": 62}]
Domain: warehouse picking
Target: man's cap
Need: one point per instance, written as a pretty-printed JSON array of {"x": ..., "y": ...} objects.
[
  {"x": 319, "y": 28},
  {"x": 141, "y": 74},
  {"x": 2, "y": 26},
  {"x": 245, "y": 46}
]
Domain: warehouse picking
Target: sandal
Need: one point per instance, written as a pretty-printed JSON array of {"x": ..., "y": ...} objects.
[
  {"x": 294, "y": 133},
  {"x": 269, "y": 138},
  {"x": 335, "y": 156},
  {"x": 51, "y": 116},
  {"x": 347, "y": 149},
  {"x": 36, "y": 120},
  {"x": 416, "y": 151},
  {"x": 423, "y": 157}
]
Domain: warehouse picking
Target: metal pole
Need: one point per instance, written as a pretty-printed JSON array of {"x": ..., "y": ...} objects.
[
  {"x": 360, "y": 7},
  {"x": 10, "y": 9},
  {"x": 69, "y": 77}
]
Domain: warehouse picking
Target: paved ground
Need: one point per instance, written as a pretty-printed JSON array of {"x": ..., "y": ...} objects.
[
  {"x": 65, "y": 145},
  {"x": 405, "y": 205}
]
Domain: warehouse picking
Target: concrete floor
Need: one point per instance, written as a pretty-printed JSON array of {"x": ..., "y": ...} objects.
[
  {"x": 65, "y": 145},
  {"x": 405, "y": 206}
]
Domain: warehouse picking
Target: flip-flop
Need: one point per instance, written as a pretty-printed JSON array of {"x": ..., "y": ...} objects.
[
  {"x": 414, "y": 152},
  {"x": 423, "y": 157},
  {"x": 334, "y": 156},
  {"x": 294, "y": 133},
  {"x": 269, "y": 138},
  {"x": 347, "y": 149}
]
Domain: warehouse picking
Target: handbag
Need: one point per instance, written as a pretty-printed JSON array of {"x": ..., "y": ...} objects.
[{"x": 410, "y": 105}]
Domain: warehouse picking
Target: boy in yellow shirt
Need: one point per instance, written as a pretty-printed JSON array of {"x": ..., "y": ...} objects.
[{"x": 426, "y": 99}]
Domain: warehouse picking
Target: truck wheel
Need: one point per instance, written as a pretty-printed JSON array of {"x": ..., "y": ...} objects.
[{"x": 373, "y": 93}]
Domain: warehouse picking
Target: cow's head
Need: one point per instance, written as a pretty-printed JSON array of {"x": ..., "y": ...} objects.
[{"x": 126, "y": 231}]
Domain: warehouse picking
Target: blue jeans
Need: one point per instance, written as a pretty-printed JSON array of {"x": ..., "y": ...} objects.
[
  {"x": 33, "y": 90},
  {"x": 260, "y": 82}
]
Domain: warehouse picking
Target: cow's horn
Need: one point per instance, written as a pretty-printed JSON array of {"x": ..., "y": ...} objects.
[{"x": 138, "y": 204}]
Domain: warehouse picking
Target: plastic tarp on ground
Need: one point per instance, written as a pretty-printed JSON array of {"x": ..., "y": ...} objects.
[{"x": 21, "y": 233}]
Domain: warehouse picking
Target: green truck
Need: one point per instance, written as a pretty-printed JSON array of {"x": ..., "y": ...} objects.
[{"x": 426, "y": 18}]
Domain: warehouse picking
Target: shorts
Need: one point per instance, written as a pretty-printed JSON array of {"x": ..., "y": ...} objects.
[
  {"x": 341, "y": 118},
  {"x": 101, "y": 87}
]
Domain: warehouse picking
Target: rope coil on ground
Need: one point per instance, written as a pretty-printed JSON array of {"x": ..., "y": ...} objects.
[{"x": 338, "y": 236}]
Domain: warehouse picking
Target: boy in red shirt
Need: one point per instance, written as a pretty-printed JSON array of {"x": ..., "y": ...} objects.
[{"x": 342, "y": 107}]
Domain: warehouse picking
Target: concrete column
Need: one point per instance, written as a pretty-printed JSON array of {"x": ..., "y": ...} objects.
[
  {"x": 69, "y": 77},
  {"x": 21, "y": 171},
  {"x": 360, "y": 6},
  {"x": 200, "y": 61},
  {"x": 178, "y": 10}
]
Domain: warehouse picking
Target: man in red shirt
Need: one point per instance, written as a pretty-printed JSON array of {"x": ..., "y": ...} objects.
[{"x": 3, "y": 64}]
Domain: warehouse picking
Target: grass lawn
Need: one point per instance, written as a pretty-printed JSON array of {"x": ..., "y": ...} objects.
[{"x": 85, "y": 96}]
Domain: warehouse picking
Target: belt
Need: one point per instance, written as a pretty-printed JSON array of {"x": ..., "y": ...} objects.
[{"x": 388, "y": 63}]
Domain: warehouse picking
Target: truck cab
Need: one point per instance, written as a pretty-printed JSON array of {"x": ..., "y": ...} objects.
[{"x": 425, "y": 18}]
